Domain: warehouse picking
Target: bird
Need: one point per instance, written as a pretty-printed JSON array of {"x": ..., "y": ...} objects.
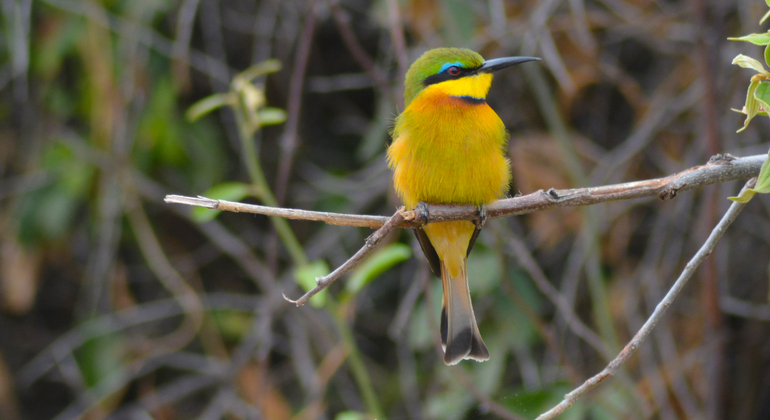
[{"x": 450, "y": 147}]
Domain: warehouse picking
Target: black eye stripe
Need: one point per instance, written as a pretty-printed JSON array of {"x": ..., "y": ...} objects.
[{"x": 445, "y": 75}]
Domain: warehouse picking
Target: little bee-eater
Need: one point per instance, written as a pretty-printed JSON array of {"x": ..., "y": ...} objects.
[{"x": 450, "y": 147}]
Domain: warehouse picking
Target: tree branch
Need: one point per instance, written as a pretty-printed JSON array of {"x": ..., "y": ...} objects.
[
  {"x": 721, "y": 168},
  {"x": 371, "y": 242},
  {"x": 657, "y": 314}
]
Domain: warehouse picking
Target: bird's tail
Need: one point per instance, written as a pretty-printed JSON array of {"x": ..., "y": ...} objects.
[{"x": 460, "y": 335}]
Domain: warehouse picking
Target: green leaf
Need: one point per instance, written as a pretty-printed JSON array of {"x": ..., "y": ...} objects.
[
  {"x": 485, "y": 269},
  {"x": 231, "y": 191},
  {"x": 208, "y": 104},
  {"x": 752, "y": 105},
  {"x": 756, "y": 39},
  {"x": 762, "y": 186},
  {"x": 764, "y": 18},
  {"x": 271, "y": 116},
  {"x": 265, "y": 67},
  {"x": 744, "y": 196},
  {"x": 306, "y": 277},
  {"x": 762, "y": 93},
  {"x": 100, "y": 357},
  {"x": 767, "y": 54},
  {"x": 350, "y": 415},
  {"x": 233, "y": 325},
  {"x": 376, "y": 264},
  {"x": 525, "y": 402},
  {"x": 763, "y": 180},
  {"x": 767, "y": 2},
  {"x": 749, "y": 63}
]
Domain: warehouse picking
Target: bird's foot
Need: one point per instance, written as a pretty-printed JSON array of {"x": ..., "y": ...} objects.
[
  {"x": 421, "y": 212},
  {"x": 481, "y": 217}
]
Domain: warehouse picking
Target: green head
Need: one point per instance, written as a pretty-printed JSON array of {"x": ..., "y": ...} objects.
[{"x": 445, "y": 64}]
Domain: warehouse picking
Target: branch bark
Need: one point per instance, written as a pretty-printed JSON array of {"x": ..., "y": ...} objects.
[
  {"x": 721, "y": 168},
  {"x": 656, "y": 316}
]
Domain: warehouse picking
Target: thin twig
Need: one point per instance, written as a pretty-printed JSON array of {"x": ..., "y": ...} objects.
[
  {"x": 289, "y": 139},
  {"x": 371, "y": 242},
  {"x": 656, "y": 316},
  {"x": 719, "y": 169},
  {"x": 342, "y": 20},
  {"x": 338, "y": 219}
]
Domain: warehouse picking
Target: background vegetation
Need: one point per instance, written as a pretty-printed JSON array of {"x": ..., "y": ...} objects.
[{"x": 115, "y": 305}]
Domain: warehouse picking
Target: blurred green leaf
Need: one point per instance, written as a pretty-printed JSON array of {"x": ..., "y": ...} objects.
[
  {"x": 376, "y": 264},
  {"x": 752, "y": 105},
  {"x": 484, "y": 271},
  {"x": 529, "y": 404},
  {"x": 159, "y": 131},
  {"x": 749, "y": 63},
  {"x": 265, "y": 67},
  {"x": 420, "y": 334},
  {"x": 756, "y": 39},
  {"x": 306, "y": 277},
  {"x": 230, "y": 191},
  {"x": 350, "y": 415},
  {"x": 488, "y": 375},
  {"x": 764, "y": 18},
  {"x": 100, "y": 357},
  {"x": 461, "y": 20},
  {"x": 451, "y": 404},
  {"x": 54, "y": 46},
  {"x": 54, "y": 212},
  {"x": 208, "y": 104},
  {"x": 233, "y": 325},
  {"x": 72, "y": 175},
  {"x": 271, "y": 116},
  {"x": 208, "y": 159}
]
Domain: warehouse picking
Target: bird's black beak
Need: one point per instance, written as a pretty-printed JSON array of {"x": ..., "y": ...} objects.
[{"x": 500, "y": 63}]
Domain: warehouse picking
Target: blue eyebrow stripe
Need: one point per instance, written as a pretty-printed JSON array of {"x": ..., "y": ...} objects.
[{"x": 448, "y": 65}]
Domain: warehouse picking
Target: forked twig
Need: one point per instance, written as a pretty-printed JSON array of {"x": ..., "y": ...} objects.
[
  {"x": 720, "y": 168},
  {"x": 657, "y": 314},
  {"x": 369, "y": 245}
]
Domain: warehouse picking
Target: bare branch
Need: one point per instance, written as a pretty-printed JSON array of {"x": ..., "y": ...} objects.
[
  {"x": 371, "y": 242},
  {"x": 338, "y": 219},
  {"x": 719, "y": 169},
  {"x": 657, "y": 314}
]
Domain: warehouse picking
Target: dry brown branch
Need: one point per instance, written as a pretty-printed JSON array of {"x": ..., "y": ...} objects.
[
  {"x": 720, "y": 168},
  {"x": 371, "y": 242},
  {"x": 656, "y": 316}
]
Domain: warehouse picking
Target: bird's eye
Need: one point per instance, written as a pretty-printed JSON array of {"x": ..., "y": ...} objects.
[{"x": 454, "y": 70}]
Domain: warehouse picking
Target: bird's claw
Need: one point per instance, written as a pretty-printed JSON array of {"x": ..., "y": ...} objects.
[
  {"x": 481, "y": 217},
  {"x": 421, "y": 212}
]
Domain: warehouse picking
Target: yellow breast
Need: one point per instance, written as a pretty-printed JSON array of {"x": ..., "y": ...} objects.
[{"x": 447, "y": 150}]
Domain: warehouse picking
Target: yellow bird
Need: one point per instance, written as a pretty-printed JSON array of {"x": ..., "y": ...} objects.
[{"x": 450, "y": 147}]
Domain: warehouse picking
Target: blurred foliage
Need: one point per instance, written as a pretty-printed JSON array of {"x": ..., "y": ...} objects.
[{"x": 116, "y": 305}]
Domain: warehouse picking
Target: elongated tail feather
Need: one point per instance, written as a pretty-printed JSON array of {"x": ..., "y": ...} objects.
[
  {"x": 450, "y": 241},
  {"x": 459, "y": 332}
]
